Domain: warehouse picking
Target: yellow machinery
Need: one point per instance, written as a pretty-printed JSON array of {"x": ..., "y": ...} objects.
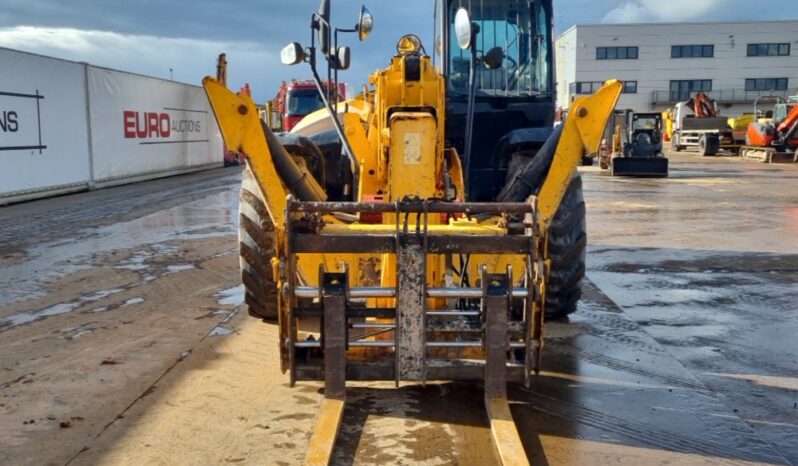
[
  {"x": 636, "y": 148},
  {"x": 408, "y": 281}
]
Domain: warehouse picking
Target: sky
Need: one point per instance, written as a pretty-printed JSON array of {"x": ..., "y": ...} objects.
[{"x": 151, "y": 37}]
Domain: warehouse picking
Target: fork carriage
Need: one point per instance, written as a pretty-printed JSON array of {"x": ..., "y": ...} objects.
[{"x": 417, "y": 329}]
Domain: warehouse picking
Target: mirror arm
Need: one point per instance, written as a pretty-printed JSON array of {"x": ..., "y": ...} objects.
[
  {"x": 472, "y": 90},
  {"x": 335, "y": 72},
  {"x": 335, "y": 47},
  {"x": 333, "y": 115}
]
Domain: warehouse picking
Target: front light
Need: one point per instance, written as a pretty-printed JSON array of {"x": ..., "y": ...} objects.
[{"x": 408, "y": 43}]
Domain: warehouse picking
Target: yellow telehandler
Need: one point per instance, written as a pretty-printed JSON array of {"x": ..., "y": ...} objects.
[{"x": 424, "y": 229}]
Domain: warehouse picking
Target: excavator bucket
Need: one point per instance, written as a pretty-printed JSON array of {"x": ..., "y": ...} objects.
[{"x": 644, "y": 167}]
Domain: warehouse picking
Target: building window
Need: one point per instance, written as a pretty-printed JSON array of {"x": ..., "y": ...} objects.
[
  {"x": 692, "y": 51},
  {"x": 616, "y": 53},
  {"x": 681, "y": 90},
  {"x": 588, "y": 87},
  {"x": 572, "y": 89},
  {"x": 769, "y": 50},
  {"x": 766, "y": 84}
]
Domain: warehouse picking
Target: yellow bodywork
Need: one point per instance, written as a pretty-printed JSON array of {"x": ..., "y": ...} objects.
[{"x": 397, "y": 136}]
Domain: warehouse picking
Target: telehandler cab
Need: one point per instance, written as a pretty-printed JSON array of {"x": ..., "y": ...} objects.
[{"x": 418, "y": 248}]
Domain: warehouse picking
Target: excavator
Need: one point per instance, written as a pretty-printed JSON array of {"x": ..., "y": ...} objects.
[
  {"x": 421, "y": 250},
  {"x": 774, "y": 139}
]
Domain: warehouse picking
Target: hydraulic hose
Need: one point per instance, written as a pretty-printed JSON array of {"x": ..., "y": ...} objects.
[
  {"x": 529, "y": 178},
  {"x": 298, "y": 183}
]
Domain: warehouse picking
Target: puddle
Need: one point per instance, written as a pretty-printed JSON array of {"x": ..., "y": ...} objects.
[
  {"x": 231, "y": 296},
  {"x": 220, "y": 331},
  {"x": 54, "y": 310},
  {"x": 211, "y": 216},
  {"x": 221, "y": 328},
  {"x": 132, "y": 301},
  {"x": 72, "y": 333},
  {"x": 179, "y": 268}
]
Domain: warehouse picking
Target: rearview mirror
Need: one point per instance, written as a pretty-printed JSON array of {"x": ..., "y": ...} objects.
[
  {"x": 324, "y": 27},
  {"x": 462, "y": 28},
  {"x": 493, "y": 58},
  {"x": 292, "y": 54},
  {"x": 342, "y": 56},
  {"x": 365, "y": 24}
]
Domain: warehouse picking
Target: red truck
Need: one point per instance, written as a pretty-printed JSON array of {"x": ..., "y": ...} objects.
[{"x": 294, "y": 101}]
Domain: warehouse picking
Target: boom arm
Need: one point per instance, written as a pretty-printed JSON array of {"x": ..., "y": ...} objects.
[
  {"x": 788, "y": 127},
  {"x": 581, "y": 134},
  {"x": 702, "y": 106},
  {"x": 243, "y": 131}
]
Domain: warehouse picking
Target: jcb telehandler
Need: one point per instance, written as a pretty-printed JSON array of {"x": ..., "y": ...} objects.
[{"x": 391, "y": 240}]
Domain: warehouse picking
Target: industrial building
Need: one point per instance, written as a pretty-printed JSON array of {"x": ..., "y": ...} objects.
[{"x": 663, "y": 63}]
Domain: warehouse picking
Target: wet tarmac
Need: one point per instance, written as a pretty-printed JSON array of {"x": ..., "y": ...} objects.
[
  {"x": 683, "y": 350},
  {"x": 100, "y": 294},
  {"x": 709, "y": 269}
]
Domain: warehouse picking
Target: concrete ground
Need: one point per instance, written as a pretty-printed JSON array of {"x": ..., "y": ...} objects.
[{"x": 120, "y": 340}]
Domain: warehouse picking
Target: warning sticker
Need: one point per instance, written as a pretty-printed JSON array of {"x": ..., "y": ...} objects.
[{"x": 412, "y": 148}]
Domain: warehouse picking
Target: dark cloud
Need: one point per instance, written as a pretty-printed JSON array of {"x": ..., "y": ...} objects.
[{"x": 151, "y": 36}]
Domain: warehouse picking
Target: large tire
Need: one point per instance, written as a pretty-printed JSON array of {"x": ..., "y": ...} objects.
[
  {"x": 567, "y": 232},
  {"x": 675, "y": 140},
  {"x": 256, "y": 248},
  {"x": 567, "y": 247},
  {"x": 713, "y": 144},
  {"x": 708, "y": 144},
  {"x": 702, "y": 145}
]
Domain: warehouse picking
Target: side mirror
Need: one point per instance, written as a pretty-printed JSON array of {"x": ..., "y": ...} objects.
[
  {"x": 324, "y": 27},
  {"x": 493, "y": 58},
  {"x": 365, "y": 24},
  {"x": 462, "y": 28},
  {"x": 342, "y": 56},
  {"x": 292, "y": 54}
]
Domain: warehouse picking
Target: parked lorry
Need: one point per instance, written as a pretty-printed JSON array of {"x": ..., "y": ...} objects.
[
  {"x": 697, "y": 125},
  {"x": 295, "y": 100}
]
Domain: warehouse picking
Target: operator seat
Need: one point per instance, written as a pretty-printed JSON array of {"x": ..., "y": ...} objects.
[{"x": 643, "y": 145}]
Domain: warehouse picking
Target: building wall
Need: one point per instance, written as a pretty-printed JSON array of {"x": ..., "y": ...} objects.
[
  {"x": 564, "y": 56},
  {"x": 654, "y": 68}
]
